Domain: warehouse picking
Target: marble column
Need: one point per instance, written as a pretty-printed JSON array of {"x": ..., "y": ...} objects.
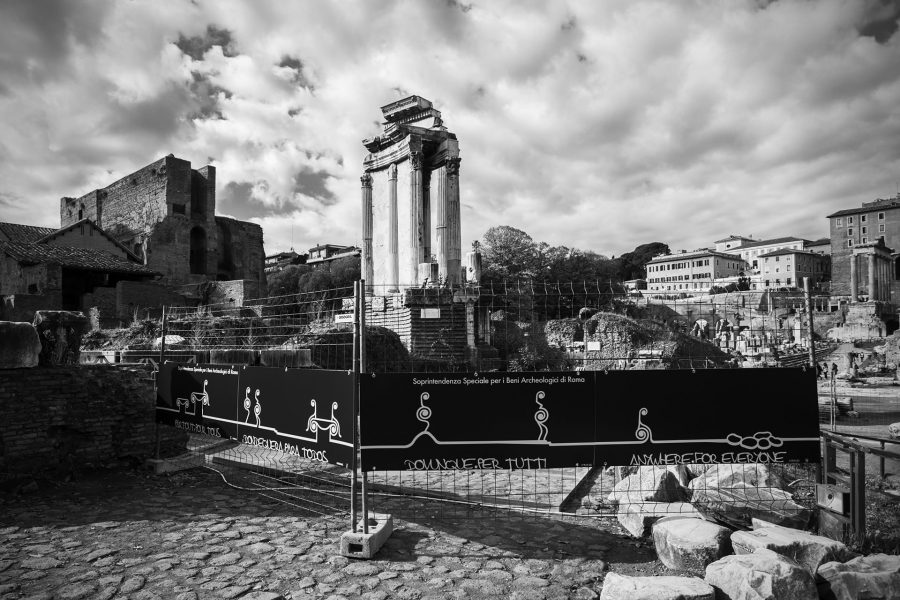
[
  {"x": 427, "y": 249},
  {"x": 416, "y": 216},
  {"x": 393, "y": 253},
  {"x": 441, "y": 232},
  {"x": 368, "y": 269},
  {"x": 454, "y": 258},
  {"x": 854, "y": 284},
  {"x": 873, "y": 293}
]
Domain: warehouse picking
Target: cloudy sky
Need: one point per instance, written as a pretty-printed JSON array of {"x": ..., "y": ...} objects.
[{"x": 598, "y": 125}]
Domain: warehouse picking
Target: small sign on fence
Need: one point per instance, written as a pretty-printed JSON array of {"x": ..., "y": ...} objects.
[
  {"x": 301, "y": 412},
  {"x": 343, "y": 318},
  {"x": 547, "y": 420}
]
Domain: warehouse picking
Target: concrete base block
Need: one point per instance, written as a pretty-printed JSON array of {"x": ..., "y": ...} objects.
[{"x": 366, "y": 545}]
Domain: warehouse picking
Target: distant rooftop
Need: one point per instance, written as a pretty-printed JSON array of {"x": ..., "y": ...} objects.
[
  {"x": 878, "y": 204},
  {"x": 87, "y": 259},
  {"x": 25, "y": 234},
  {"x": 781, "y": 240}
]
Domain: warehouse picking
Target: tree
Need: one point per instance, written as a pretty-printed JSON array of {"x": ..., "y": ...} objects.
[
  {"x": 633, "y": 265},
  {"x": 508, "y": 253}
]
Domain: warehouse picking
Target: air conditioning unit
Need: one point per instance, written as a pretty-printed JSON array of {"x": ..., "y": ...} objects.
[{"x": 833, "y": 498}]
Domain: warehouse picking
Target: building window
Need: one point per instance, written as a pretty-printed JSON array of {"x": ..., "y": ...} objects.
[
  {"x": 865, "y": 230},
  {"x": 849, "y": 220},
  {"x": 865, "y": 241},
  {"x": 881, "y": 228},
  {"x": 849, "y": 231},
  {"x": 881, "y": 216},
  {"x": 849, "y": 243},
  {"x": 788, "y": 281},
  {"x": 862, "y": 218},
  {"x": 839, "y": 222}
]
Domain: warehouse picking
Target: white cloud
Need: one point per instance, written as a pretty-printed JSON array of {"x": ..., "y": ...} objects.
[{"x": 596, "y": 125}]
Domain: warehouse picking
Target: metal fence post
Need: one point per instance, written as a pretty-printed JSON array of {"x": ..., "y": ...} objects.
[
  {"x": 162, "y": 359},
  {"x": 355, "y": 366},
  {"x": 858, "y": 492},
  {"x": 362, "y": 369},
  {"x": 809, "y": 324}
]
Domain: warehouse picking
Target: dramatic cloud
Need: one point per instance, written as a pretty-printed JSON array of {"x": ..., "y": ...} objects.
[{"x": 600, "y": 125}]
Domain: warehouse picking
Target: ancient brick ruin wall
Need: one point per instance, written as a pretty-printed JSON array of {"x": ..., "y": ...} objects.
[
  {"x": 32, "y": 279},
  {"x": 68, "y": 417},
  {"x": 21, "y": 307},
  {"x": 240, "y": 252}
]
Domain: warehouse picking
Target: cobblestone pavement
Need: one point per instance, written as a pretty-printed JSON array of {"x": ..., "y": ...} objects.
[{"x": 130, "y": 534}]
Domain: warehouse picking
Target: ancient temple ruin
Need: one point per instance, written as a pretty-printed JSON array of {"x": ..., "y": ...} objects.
[
  {"x": 416, "y": 283},
  {"x": 410, "y": 197}
]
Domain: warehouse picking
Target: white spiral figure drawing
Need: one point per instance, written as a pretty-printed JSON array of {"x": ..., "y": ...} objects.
[
  {"x": 247, "y": 404},
  {"x": 423, "y": 413},
  {"x": 643, "y": 433},
  {"x": 540, "y": 417},
  {"x": 257, "y": 410}
]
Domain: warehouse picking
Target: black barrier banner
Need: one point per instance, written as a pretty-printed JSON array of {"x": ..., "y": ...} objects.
[
  {"x": 301, "y": 412},
  {"x": 548, "y": 420},
  {"x": 491, "y": 421}
]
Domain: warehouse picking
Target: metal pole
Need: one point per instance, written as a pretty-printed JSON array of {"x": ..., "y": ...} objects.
[
  {"x": 355, "y": 368},
  {"x": 362, "y": 369},
  {"x": 809, "y": 323},
  {"x": 162, "y": 360}
]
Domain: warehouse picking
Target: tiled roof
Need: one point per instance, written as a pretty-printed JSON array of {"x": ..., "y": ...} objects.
[
  {"x": 87, "y": 259},
  {"x": 820, "y": 242},
  {"x": 23, "y": 233},
  {"x": 58, "y": 232},
  {"x": 870, "y": 207},
  {"x": 781, "y": 240},
  {"x": 790, "y": 251},
  {"x": 730, "y": 238}
]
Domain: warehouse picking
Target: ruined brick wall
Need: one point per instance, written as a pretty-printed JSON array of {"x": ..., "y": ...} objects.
[
  {"x": 104, "y": 300},
  {"x": 31, "y": 279},
  {"x": 21, "y": 307},
  {"x": 423, "y": 334},
  {"x": 234, "y": 293},
  {"x": 69, "y": 417},
  {"x": 240, "y": 252},
  {"x": 143, "y": 295}
]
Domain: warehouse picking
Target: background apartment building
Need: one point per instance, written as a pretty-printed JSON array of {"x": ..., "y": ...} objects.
[
  {"x": 788, "y": 267},
  {"x": 690, "y": 272},
  {"x": 853, "y": 227}
]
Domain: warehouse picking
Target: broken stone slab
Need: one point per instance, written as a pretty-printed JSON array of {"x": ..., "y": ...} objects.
[
  {"x": 20, "y": 347},
  {"x": 689, "y": 543},
  {"x": 810, "y": 551},
  {"x": 653, "y": 484},
  {"x": 753, "y": 475},
  {"x": 637, "y": 518},
  {"x": 737, "y": 506},
  {"x": 622, "y": 587},
  {"x": 60, "y": 333},
  {"x": 762, "y": 575},
  {"x": 894, "y": 430},
  {"x": 876, "y": 577}
]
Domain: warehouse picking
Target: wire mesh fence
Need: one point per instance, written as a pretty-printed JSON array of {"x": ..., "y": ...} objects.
[{"x": 526, "y": 326}]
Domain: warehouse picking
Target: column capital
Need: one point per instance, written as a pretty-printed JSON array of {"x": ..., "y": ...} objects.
[
  {"x": 366, "y": 180},
  {"x": 416, "y": 157},
  {"x": 392, "y": 171},
  {"x": 453, "y": 167}
]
